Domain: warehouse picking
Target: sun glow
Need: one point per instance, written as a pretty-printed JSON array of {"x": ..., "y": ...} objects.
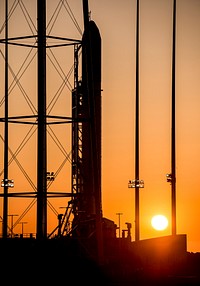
[{"x": 159, "y": 222}]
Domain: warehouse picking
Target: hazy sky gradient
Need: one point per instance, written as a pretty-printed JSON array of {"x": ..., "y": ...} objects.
[{"x": 116, "y": 21}]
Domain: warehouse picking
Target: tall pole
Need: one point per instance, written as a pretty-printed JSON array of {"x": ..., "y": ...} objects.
[
  {"x": 137, "y": 189},
  {"x": 119, "y": 215},
  {"x": 22, "y": 223},
  {"x": 5, "y": 202},
  {"x": 42, "y": 144},
  {"x": 85, "y": 14},
  {"x": 137, "y": 183},
  {"x": 12, "y": 215},
  {"x": 173, "y": 138}
]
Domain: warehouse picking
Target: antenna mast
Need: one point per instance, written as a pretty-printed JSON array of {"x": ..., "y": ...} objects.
[
  {"x": 137, "y": 165},
  {"x": 137, "y": 183},
  {"x": 171, "y": 178},
  {"x": 173, "y": 167}
]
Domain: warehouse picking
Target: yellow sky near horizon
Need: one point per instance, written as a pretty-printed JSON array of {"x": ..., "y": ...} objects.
[{"x": 116, "y": 22}]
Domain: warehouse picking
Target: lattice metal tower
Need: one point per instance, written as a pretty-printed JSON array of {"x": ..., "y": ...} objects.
[{"x": 85, "y": 120}]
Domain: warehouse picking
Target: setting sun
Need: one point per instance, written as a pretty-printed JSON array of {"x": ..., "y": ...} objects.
[{"x": 159, "y": 222}]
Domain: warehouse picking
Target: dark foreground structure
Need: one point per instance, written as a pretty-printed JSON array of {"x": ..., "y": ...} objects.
[{"x": 159, "y": 261}]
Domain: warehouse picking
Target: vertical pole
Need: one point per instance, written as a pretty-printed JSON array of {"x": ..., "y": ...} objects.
[
  {"x": 137, "y": 230},
  {"x": 119, "y": 221},
  {"x": 12, "y": 215},
  {"x": 173, "y": 155},
  {"x": 42, "y": 158},
  {"x": 85, "y": 14},
  {"x": 5, "y": 202}
]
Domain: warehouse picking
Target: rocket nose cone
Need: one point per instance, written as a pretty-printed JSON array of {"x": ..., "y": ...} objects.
[{"x": 93, "y": 29}]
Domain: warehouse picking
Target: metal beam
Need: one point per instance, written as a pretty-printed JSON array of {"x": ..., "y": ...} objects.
[
  {"x": 42, "y": 144},
  {"x": 137, "y": 166},
  {"x": 5, "y": 201},
  {"x": 173, "y": 134}
]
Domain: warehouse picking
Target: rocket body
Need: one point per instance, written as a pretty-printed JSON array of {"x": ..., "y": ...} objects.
[{"x": 91, "y": 128}]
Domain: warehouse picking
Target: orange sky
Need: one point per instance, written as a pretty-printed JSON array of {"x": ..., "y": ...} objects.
[
  {"x": 155, "y": 115},
  {"x": 116, "y": 22}
]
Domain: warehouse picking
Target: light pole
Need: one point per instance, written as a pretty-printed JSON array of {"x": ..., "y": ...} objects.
[
  {"x": 12, "y": 215},
  {"x": 22, "y": 223},
  {"x": 137, "y": 183},
  {"x": 119, "y": 214}
]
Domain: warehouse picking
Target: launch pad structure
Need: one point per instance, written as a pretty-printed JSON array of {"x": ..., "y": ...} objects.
[{"x": 83, "y": 215}]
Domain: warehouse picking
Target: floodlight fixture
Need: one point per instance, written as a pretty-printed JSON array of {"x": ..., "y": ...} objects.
[
  {"x": 136, "y": 184},
  {"x": 169, "y": 178},
  {"x": 7, "y": 183},
  {"x": 50, "y": 176}
]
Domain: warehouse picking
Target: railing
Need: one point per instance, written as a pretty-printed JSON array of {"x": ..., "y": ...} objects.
[{"x": 20, "y": 235}]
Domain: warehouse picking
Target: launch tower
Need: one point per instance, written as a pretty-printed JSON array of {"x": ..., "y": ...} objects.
[{"x": 83, "y": 216}]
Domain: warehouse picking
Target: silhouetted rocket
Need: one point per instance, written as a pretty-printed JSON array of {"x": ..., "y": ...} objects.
[{"x": 91, "y": 131}]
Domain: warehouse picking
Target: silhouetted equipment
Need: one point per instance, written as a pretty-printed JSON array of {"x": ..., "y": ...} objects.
[
  {"x": 129, "y": 225},
  {"x": 87, "y": 207},
  {"x": 119, "y": 223},
  {"x": 88, "y": 199},
  {"x": 136, "y": 184},
  {"x": 169, "y": 178}
]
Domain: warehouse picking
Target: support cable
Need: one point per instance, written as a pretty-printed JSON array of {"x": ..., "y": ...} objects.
[
  {"x": 27, "y": 16},
  {"x": 17, "y": 82},
  {"x": 58, "y": 143},
  {"x": 12, "y": 9},
  {"x": 20, "y": 167},
  {"x": 72, "y": 16}
]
